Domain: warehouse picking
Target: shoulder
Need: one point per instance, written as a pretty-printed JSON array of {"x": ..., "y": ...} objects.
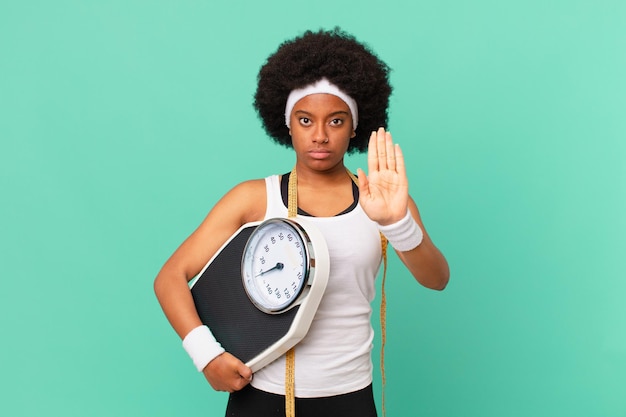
[
  {"x": 249, "y": 190},
  {"x": 256, "y": 186},
  {"x": 248, "y": 199}
]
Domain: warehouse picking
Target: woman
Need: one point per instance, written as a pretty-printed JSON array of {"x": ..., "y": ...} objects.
[{"x": 323, "y": 94}]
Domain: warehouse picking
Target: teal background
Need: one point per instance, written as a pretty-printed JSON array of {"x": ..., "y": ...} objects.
[{"x": 123, "y": 122}]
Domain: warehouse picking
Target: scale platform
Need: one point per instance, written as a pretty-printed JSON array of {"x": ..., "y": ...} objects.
[{"x": 255, "y": 337}]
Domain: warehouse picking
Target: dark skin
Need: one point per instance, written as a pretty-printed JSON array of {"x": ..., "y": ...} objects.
[{"x": 321, "y": 129}]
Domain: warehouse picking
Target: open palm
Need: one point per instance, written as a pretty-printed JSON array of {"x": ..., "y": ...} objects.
[{"x": 384, "y": 191}]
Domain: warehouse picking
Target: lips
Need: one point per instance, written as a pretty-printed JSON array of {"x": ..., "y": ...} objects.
[{"x": 319, "y": 153}]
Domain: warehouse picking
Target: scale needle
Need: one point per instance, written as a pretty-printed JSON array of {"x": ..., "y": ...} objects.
[{"x": 278, "y": 267}]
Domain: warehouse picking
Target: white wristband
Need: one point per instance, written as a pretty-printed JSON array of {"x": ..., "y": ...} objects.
[
  {"x": 403, "y": 235},
  {"x": 201, "y": 345}
]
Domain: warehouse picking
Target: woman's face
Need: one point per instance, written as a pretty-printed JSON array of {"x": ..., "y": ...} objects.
[{"x": 321, "y": 129}]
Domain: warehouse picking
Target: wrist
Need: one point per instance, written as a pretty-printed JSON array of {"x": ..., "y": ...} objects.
[
  {"x": 404, "y": 234},
  {"x": 202, "y": 347}
]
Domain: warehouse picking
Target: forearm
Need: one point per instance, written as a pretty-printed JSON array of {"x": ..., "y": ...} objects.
[
  {"x": 427, "y": 264},
  {"x": 175, "y": 298},
  {"x": 223, "y": 371},
  {"x": 417, "y": 251}
]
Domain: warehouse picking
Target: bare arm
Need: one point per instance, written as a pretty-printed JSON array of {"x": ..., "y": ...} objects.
[
  {"x": 244, "y": 203},
  {"x": 385, "y": 198},
  {"x": 426, "y": 263}
]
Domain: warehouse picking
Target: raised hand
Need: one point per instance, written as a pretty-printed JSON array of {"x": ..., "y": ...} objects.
[{"x": 384, "y": 192}]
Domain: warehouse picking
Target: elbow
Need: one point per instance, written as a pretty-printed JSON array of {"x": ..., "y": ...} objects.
[
  {"x": 158, "y": 286},
  {"x": 167, "y": 280},
  {"x": 442, "y": 277},
  {"x": 436, "y": 281},
  {"x": 437, "y": 285},
  {"x": 442, "y": 284}
]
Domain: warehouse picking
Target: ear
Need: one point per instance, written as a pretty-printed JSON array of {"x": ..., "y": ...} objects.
[{"x": 353, "y": 134}]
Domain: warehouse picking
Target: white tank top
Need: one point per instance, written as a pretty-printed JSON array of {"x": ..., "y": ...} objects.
[{"x": 335, "y": 355}]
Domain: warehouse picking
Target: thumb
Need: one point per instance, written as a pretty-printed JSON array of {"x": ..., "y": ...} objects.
[
  {"x": 363, "y": 182},
  {"x": 245, "y": 372}
]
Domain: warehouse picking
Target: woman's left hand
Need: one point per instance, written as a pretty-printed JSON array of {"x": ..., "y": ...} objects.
[{"x": 384, "y": 192}]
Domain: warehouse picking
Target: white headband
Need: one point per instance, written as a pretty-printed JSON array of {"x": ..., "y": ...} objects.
[{"x": 322, "y": 86}]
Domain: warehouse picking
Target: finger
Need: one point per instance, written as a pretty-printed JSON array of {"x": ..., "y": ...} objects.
[
  {"x": 242, "y": 375},
  {"x": 381, "y": 148},
  {"x": 364, "y": 190},
  {"x": 372, "y": 154},
  {"x": 400, "y": 165},
  {"x": 240, "y": 383},
  {"x": 390, "y": 151},
  {"x": 245, "y": 372}
]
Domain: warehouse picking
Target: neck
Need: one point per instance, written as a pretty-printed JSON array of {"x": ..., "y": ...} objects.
[
  {"x": 323, "y": 194},
  {"x": 308, "y": 176}
]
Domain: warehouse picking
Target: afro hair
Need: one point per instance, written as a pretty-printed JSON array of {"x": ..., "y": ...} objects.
[{"x": 340, "y": 58}]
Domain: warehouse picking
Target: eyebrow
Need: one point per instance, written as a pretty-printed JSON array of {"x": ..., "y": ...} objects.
[{"x": 335, "y": 113}]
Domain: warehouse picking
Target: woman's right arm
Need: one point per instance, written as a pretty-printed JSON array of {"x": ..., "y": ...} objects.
[{"x": 243, "y": 204}]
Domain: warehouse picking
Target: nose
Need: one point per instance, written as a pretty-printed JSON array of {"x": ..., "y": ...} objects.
[{"x": 320, "y": 135}]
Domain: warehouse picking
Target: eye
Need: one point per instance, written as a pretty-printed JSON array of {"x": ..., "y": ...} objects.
[
  {"x": 305, "y": 121},
  {"x": 336, "y": 122}
]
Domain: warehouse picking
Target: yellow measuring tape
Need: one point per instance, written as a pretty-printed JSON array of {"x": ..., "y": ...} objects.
[{"x": 290, "y": 356}]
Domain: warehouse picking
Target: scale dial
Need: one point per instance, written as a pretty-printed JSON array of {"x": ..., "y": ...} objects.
[{"x": 276, "y": 264}]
